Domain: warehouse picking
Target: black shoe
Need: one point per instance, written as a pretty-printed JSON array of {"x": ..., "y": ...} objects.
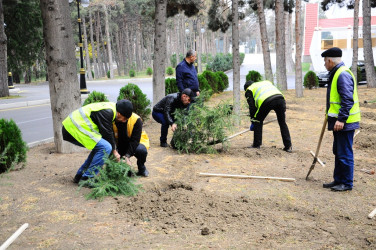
[
  {"x": 143, "y": 174},
  {"x": 330, "y": 185},
  {"x": 341, "y": 187},
  {"x": 255, "y": 146},
  {"x": 131, "y": 173},
  {"x": 288, "y": 149},
  {"x": 164, "y": 144},
  {"x": 77, "y": 178}
]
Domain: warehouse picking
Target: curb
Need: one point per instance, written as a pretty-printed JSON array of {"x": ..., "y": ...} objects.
[
  {"x": 41, "y": 142},
  {"x": 23, "y": 104}
]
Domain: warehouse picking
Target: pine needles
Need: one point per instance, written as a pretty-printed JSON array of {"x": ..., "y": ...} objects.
[{"x": 113, "y": 180}]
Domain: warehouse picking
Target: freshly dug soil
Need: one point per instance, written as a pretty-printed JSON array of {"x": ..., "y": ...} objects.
[{"x": 178, "y": 209}]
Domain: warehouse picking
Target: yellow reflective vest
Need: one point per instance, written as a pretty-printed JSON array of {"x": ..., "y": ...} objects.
[
  {"x": 335, "y": 98},
  {"x": 261, "y": 91},
  {"x": 82, "y": 128},
  {"x": 130, "y": 124}
]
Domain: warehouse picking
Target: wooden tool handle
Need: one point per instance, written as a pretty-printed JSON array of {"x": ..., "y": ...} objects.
[{"x": 373, "y": 213}]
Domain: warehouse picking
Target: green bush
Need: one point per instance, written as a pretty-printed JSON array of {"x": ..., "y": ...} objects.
[
  {"x": 139, "y": 100},
  {"x": 200, "y": 126},
  {"x": 95, "y": 97},
  {"x": 169, "y": 71},
  {"x": 112, "y": 180},
  {"x": 213, "y": 80},
  {"x": 310, "y": 80},
  {"x": 224, "y": 81},
  {"x": 132, "y": 73},
  {"x": 149, "y": 71},
  {"x": 222, "y": 62},
  {"x": 204, "y": 85},
  {"x": 253, "y": 76},
  {"x": 108, "y": 74},
  {"x": 12, "y": 148},
  {"x": 171, "y": 86}
]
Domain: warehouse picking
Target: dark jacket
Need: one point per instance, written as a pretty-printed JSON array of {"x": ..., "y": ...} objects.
[
  {"x": 168, "y": 105},
  {"x": 251, "y": 102},
  {"x": 103, "y": 119},
  {"x": 345, "y": 86},
  {"x": 186, "y": 76},
  {"x": 127, "y": 145}
]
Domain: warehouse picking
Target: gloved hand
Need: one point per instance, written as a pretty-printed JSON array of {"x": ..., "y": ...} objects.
[{"x": 252, "y": 127}]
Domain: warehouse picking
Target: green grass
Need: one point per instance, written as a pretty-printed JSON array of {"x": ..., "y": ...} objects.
[
  {"x": 305, "y": 67},
  {"x": 10, "y": 97}
]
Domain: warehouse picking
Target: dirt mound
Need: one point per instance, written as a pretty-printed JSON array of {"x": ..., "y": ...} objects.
[
  {"x": 367, "y": 137},
  {"x": 368, "y": 105},
  {"x": 369, "y": 115}
]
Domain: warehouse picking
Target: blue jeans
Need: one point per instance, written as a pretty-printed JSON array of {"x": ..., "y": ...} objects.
[
  {"x": 94, "y": 161},
  {"x": 159, "y": 117},
  {"x": 344, "y": 157}
]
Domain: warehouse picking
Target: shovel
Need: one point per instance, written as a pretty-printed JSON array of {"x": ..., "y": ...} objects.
[{"x": 315, "y": 159}]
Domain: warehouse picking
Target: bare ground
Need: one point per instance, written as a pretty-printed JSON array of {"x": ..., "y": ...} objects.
[{"x": 180, "y": 210}]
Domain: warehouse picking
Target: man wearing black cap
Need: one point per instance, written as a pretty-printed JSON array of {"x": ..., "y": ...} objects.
[
  {"x": 91, "y": 127},
  {"x": 164, "y": 109},
  {"x": 132, "y": 140},
  {"x": 342, "y": 108}
]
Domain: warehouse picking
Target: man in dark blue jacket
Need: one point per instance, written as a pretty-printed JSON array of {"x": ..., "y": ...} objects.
[
  {"x": 186, "y": 74},
  {"x": 342, "y": 107}
]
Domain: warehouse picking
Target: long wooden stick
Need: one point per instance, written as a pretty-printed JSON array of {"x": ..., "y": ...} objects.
[
  {"x": 13, "y": 237},
  {"x": 318, "y": 160},
  {"x": 373, "y": 213},
  {"x": 318, "y": 146},
  {"x": 247, "y": 177}
]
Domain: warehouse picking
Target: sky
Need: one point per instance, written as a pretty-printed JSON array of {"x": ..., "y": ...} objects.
[{"x": 336, "y": 12}]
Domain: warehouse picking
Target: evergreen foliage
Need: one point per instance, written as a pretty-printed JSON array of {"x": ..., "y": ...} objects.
[
  {"x": 222, "y": 62},
  {"x": 139, "y": 100},
  {"x": 169, "y": 71},
  {"x": 189, "y": 7},
  {"x": 253, "y": 76},
  {"x": 204, "y": 85},
  {"x": 113, "y": 180},
  {"x": 310, "y": 80},
  {"x": 212, "y": 79},
  {"x": 95, "y": 96},
  {"x": 132, "y": 73},
  {"x": 217, "y": 19},
  {"x": 171, "y": 86},
  {"x": 199, "y": 126},
  {"x": 108, "y": 74},
  {"x": 149, "y": 71},
  {"x": 224, "y": 81},
  {"x": 12, "y": 148}
]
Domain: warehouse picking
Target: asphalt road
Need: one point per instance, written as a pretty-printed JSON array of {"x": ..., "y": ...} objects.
[{"x": 33, "y": 114}]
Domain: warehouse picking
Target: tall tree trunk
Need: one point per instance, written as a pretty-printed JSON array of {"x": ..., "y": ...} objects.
[
  {"x": 139, "y": 46},
  {"x": 199, "y": 45},
  {"x": 354, "y": 65},
  {"x": 61, "y": 63},
  {"x": 280, "y": 45},
  {"x": 236, "y": 59},
  {"x": 108, "y": 42},
  {"x": 98, "y": 38},
  {"x": 95, "y": 62},
  {"x": 127, "y": 55},
  {"x": 289, "y": 44},
  {"x": 87, "y": 57},
  {"x": 4, "y": 89},
  {"x": 299, "y": 49},
  {"x": 265, "y": 41},
  {"x": 159, "y": 61},
  {"x": 367, "y": 45},
  {"x": 119, "y": 52}
]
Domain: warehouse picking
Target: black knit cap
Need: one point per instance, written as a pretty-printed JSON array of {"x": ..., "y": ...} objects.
[
  {"x": 332, "y": 52},
  {"x": 247, "y": 84},
  {"x": 124, "y": 107},
  {"x": 189, "y": 93}
]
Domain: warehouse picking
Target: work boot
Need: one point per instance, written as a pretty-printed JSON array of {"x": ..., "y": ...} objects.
[
  {"x": 145, "y": 173},
  {"x": 164, "y": 144},
  {"x": 330, "y": 185},
  {"x": 288, "y": 149},
  {"x": 77, "y": 178},
  {"x": 341, "y": 187}
]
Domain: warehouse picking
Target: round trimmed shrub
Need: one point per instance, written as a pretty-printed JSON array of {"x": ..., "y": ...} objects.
[
  {"x": 212, "y": 79},
  {"x": 132, "y": 73},
  {"x": 169, "y": 71},
  {"x": 139, "y": 100},
  {"x": 108, "y": 74},
  {"x": 149, "y": 71},
  {"x": 224, "y": 81},
  {"x": 12, "y": 148},
  {"x": 171, "y": 86},
  {"x": 204, "y": 85},
  {"x": 310, "y": 80},
  {"x": 253, "y": 76},
  {"x": 95, "y": 97}
]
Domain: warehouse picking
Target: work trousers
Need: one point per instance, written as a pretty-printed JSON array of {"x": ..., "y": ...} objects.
[
  {"x": 94, "y": 161},
  {"x": 140, "y": 153},
  {"x": 279, "y": 106},
  {"x": 159, "y": 117},
  {"x": 344, "y": 157}
]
